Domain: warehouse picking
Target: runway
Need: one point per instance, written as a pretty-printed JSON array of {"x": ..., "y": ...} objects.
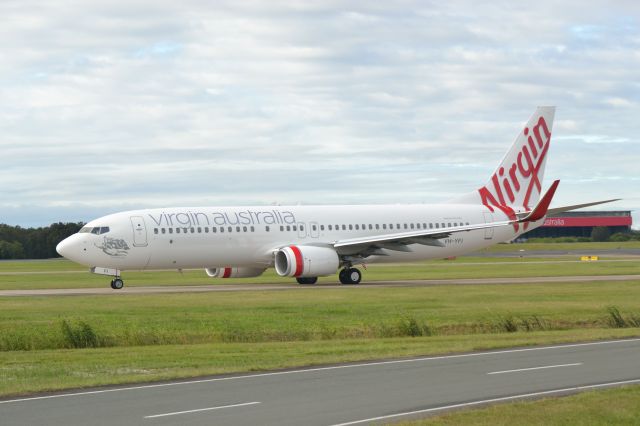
[
  {"x": 106, "y": 291},
  {"x": 363, "y": 393}
]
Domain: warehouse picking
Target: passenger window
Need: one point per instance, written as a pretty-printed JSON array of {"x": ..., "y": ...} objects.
[
  {"x": 384, "y": 226},
  {"x": 170, "y": 230},
  {"x": 214, "y": 229},
  {"x": 163, "y": 230},
  {"x": 371, "y": 226},
  {"x": 288, "y": 228},
  {"x": 314, "y": 227},
  {"x": 199, "y": 230},
  {"x": 177, "y": 230},
  {"x": 266, "y": 228},
  {"x": 449, "y": 224},
  {"x": 344, "y": 227},
  {"x": 357, "y": 227},
  {"x": 221, "y": 229},
  {"x": 253, "y": 229},
  {"x": 321, "y": 227},
  {"x": 412, "y": 226},
  {"x": 295, "y": 228},
  {"x": 206, "y": 229},
  {"x": 378, "y": 226},
  {"x": 244, "y": 229},
  {"x": 467, "y": 223},
  {"x": 281, "y": 228},
  {"x": 418, "y": 225},
  {"x": 185, "y": 230},
  {"x": 431, "y": 226},
  {"x": 330, "y": 227},
  {"x": 229, "y": 228},
  {"x": 391, "y": 226},
  {"x": 301, "y": 228},
  {"x": 443, "y": 225},
  {"x": 350, "y": 227},
  {"x": 155, "y": 230},
  {"x": 437, "y": 225}
]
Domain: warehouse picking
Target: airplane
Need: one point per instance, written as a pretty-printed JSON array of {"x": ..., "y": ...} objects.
[{"x": 307, "y": 242}]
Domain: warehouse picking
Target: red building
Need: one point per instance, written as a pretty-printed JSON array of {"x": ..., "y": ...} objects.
[{"x": 580, "y": 224}]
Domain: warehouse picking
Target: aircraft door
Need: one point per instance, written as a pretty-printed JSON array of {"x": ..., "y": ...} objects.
[
  {"x": 139, "y": 231},
  {"x": 488, "y": 232},
  {"x": 302, "y": 230},
  {"x": 314, "y": 231}
]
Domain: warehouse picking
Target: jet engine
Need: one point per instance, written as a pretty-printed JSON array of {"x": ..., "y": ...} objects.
[
  {"x": 306, "y": 261},
  {"x": 234, "y": 272}
]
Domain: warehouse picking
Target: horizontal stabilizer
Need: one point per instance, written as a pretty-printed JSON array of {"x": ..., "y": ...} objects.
[{"x": 557, "y": 210}]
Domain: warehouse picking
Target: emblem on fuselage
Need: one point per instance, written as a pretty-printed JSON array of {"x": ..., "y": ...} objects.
[{"x": 114, "y": 247}]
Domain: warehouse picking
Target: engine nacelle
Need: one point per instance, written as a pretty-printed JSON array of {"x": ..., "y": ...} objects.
[
  {"x": 234, "y": 272},
  {"x": 306, "y": 261}
]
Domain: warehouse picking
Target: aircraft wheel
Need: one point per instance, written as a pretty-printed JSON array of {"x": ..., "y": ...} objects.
[
  {"x": 342, "y": 276},
  {"x": 350, "y": 276},
  {"x": 307, "y": 280},
  {"x": 354, "y": 275},
  {"x": 117, "y": 284}
]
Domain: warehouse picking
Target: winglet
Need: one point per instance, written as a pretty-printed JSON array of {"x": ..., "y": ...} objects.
[{"x": 540, "y": 210}]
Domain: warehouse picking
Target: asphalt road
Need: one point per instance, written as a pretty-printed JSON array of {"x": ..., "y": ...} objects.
[
  {"x": 107, "y": 291},
  {"x": 382, "y": 391}
]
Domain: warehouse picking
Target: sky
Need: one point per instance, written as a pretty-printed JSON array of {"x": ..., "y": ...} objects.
[{"x": 115, "y": 105}]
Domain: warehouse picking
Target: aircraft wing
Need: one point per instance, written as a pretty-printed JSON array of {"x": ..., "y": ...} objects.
[
  {"x": 373, "y": 245},
  {"x": 400, "y": 241}
]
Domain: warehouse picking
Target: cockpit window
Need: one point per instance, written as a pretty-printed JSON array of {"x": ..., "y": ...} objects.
[{"x": 97, "y": 230}]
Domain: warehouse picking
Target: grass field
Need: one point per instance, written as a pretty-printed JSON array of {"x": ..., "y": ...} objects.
[
  {"x": 605, "y": 407},
  {"x": 148, "y": 337},
  {"x": 50, "y": 343}
]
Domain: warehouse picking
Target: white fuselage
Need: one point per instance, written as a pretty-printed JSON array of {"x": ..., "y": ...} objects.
[{"x": 206, "y": 237}]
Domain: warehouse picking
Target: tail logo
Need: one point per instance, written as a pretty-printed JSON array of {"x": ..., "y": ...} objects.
[{"x": 522, "y": 175}]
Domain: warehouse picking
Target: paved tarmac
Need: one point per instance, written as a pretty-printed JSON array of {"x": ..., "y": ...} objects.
[
  {"x": 107, "y": 291},
  {"x": 364, "y": 393}
]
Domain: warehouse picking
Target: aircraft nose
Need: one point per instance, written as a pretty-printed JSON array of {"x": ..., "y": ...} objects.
[{"x": 63, "y": 247}]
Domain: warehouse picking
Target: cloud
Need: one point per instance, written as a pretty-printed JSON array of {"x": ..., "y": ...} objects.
[{"x": 115, "y": 105}]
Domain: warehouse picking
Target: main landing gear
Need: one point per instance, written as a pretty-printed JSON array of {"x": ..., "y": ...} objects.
[
  {"x": 117, "y": 283},
  {"x": 307, "y": 280},
  {"x": 350, "y": 276}
]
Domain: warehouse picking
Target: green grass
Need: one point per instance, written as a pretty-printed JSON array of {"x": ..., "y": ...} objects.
[
  {"x": 149, "y": 337},
  {"x": 64, "y": 274},
  {"x": 32, "y": 371},
  {"x": 51, "y": 343},
  {"x": 620, "y": 406},
  {"x": 574, "y": 247},
  {"x": 31, "y": 323}
]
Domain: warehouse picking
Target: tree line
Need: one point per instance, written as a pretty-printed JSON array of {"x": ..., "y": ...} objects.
[{"x": 34, "y": 243}]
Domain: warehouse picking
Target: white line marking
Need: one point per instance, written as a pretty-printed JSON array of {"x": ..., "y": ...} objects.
[
  {"x": 487, "y": 401},
  {"x": 335, "y": 367},
  {"x": 535, "y": 368},
  {"x": 200, "y": 409}
]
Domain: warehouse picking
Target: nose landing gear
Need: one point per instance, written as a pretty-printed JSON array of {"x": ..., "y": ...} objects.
[
  {"x": 350, "y": 276},
  {"x": 117, "y": 283}
]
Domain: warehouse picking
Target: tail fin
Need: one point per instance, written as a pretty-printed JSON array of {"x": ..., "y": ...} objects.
[{"x": 517, "y": 181}]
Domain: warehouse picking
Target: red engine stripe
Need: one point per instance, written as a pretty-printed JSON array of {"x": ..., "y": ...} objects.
[
  {"x": 227, "y": 273},
  {"x": 299, "y": 263}
]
